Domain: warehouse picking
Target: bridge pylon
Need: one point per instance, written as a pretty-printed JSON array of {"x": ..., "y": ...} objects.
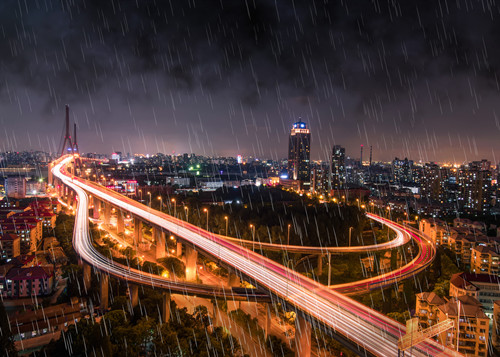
[{"x": 67, "y": 145}]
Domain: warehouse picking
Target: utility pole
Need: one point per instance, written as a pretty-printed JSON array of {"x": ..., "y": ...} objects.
[{"x": 329, "y": 268}]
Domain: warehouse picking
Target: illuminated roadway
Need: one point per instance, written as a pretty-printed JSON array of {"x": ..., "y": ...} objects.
[
  {"x": 367, "y": 328},
  {"x": 400, "y": 239},
  {"x": 423, "y": 258}
]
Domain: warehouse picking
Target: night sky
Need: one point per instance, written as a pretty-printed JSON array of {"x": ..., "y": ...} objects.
[{"x": 412, "y": 78}]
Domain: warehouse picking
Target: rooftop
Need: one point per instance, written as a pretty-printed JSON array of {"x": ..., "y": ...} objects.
[
  {"x": 28, "y": 273},
  {"x": 8, "y": 236},
  {"x": 431, "y": 298},
  {"x": 469, "y": 308}
]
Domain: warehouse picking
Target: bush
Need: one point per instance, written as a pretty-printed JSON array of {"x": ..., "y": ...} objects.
[{"x": 174, "y": 266}]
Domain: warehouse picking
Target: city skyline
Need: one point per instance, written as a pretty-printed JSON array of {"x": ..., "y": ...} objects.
[
  {"x": 249, "y": 178},
  {"x": 235, "y": 82}
]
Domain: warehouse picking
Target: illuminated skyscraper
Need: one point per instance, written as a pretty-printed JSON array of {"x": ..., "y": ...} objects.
[
  {"x": 299, "y": 167},
  {"x": 338, "y": 174}
]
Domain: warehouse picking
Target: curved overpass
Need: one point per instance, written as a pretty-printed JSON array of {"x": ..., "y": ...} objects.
[
  {"x": 400, "y": 239},
  {"x": 422, "y": 260},
  {"x": 367, "y": 328}
]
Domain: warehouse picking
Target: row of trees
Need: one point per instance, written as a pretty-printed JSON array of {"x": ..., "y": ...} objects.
[
  {"x": 119, "y": 333},
  {"x": 270, "y": 211}
]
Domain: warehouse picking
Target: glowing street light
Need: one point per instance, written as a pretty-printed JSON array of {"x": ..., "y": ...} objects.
[
  {"x": 288, "y": 236},
  {"x": 206, "y": 211},
  {"x": 226, "y": 218},
  {"x": 175, "y": 207},
  {"x": 252, "y": 228},
  {"x": 187, "y": 213}
]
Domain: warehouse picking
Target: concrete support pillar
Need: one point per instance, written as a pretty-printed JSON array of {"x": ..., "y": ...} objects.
[
  {"x": 104, "y": 291},
  {"x": 165, "y": 312},
  {"x": 107, "y": 213},
  {"x": 97, "y": 207},
  {"x": 120, "y": 224},
  {"x": 191, "y": 258},
  {"x": 320, "y": 265},
  {"x": 302, "y": 336},
  {"x": 234, "y": 280},
  {"x": 69, "y": 199},
  {"x": 133, "y": 291},
  {"x": 179, "y": 249},
  {"x": 87, "y": 276},
  {"x": 159, "y": 237},
  {"x": 137, "y": 231},
  {"x": 267, "y": 324}
]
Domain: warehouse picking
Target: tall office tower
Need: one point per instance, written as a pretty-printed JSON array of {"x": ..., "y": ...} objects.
[
  {"x": 299, "y": 167},
  {"x": 320, "y": 178},
  {"x": 402, "y": 171},
  {"x": 435, "y": 183},
  {"x": 338, "y": 173},
  {"x": 476, "y": 189}
]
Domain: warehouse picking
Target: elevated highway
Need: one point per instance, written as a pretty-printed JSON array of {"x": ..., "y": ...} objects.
[{"x": 372, "y": 331}]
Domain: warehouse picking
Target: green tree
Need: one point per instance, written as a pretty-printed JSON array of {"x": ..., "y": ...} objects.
[{"x": 174, "y": 266}]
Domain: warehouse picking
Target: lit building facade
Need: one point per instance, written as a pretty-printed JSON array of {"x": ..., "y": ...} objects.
[
  {"x": 476, "y": 188},
  {"x": 471, "y": 326},
  {"x": 484, "y": 260},
  {"x": 434, "y": 183},
  {"x": 10, "y": 246},
  {"x": 402, "y": 171},
  {"x": 15, "y": 187},
  {"x": 338, "y": 172},
  {"x": 299, "y": 153}
]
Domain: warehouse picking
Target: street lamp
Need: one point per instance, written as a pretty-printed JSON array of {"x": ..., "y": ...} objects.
[
  {"x": 187, "y": 213},
  {"x": 288, "y": 236},
  {"x": 350, "y": 230},
  {"x": 329, "y": 268},
  {"x": 227, "y": 222},
  {"x": 252, "y": 228},
  {"x": 161, "y": 203},
  {"x": 175, "y": 207},
  {"x": 206, "y": 211}
]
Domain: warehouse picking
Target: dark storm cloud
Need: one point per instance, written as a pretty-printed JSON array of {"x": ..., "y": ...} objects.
[{"x": 374, "y": 72}]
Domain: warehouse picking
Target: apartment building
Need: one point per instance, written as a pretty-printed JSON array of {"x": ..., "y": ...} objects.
[
  {"x": 495, "y": 333},
  {"x": 471, "y": 329},
  {"x": 483, "y": 287},
  {"x": 485, "y": 260},
  {"x": 10, "y": 246},
  {"x": 426, "y": 308},
  {"x": 26, "y": 282}
]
